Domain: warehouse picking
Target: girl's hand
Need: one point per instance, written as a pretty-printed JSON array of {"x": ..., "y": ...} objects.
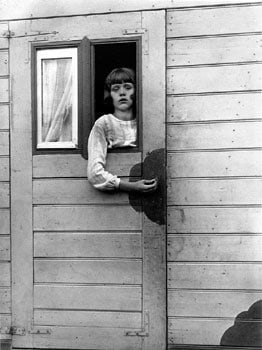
[
  {"x": 142, "y": 186},
  {"x": 146, "y": 186}
]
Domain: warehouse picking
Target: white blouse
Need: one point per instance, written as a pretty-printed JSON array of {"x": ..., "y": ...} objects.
[{"x": 108, "y": 132}]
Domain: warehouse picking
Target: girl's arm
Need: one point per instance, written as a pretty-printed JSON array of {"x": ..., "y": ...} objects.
[{"x": 97, "y": 153}]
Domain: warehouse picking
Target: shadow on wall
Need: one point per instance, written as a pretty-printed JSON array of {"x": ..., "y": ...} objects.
[
  {"x": 247, "y": 329},
  {"x": 153, "y": 204}
]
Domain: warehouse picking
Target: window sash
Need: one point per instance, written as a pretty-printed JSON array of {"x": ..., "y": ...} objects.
[{"x": 49, "y": 54}]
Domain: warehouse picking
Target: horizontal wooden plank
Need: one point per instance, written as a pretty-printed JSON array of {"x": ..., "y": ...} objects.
[
  {"x": 73, "y": 191},
  {"x": 87, "y": 338},
  {"x": 214, "y": 192},
  {"x": 214, "y": 50},
  {"x": 214, "y": 136},
  {"x": 5, "y": 221},
  {"x": 214, "y": 21},
  {"x": 214, "y": 247},
  {"x": 88, "y": 271},
  {"x": 4, "y": 195},
  {"x": 190, "y": 303},
  {"x": 79, "y": 318},
  {"x": 212, "y": 79},
  {"x": 78, "y": 26},
  {"x": 4, "y": 274},
  {"x": 4, "y": 63},
  {"x": 4, "y": 143},
  {"x": 103, "y": 6},
  {"x": 225, "y": 163},
  {"x": 197, "y": 331},
  {"x": 3, "y": 41},
  {"x": 214, "y": 220},
  {"x": 203, "y": 108},
  {"x": 4, "y": 248},
  {"x": 4, "y": 117},
  {"x": 5, "y": 300},
  {"x": 71, "y": 218},
  {"x": 75, "y": 166},
  {"x": 4, "y": 90},
  {"x": 4, "y": 169},
  {"x": 91, "y": 244},
  {"x": 215, "y": 275},
  {"x": 114, "y": 298}
]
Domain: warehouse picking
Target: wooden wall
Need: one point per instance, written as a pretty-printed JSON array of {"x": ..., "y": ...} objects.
[
  {"x": 214, "y": 172},
  {"x": 5, "y": 304}
]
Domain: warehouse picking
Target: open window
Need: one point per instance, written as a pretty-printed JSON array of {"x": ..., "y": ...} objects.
[{"x": 68, "y": 90}]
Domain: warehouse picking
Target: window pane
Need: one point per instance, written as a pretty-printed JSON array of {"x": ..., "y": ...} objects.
[{"x": 57, "y": 100}]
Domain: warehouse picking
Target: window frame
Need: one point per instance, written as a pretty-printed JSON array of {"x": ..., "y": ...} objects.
[{"x": 86, "y": 96}]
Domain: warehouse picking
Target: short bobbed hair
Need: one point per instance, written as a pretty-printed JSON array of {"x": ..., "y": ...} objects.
[{"x": 117, "y": 76}]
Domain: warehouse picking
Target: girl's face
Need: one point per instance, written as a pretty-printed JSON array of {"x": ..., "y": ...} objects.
[{"x": 122, "y": 95}]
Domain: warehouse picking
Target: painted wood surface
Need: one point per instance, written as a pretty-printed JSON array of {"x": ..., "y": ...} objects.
[
  {"x": 4, "y": 143},
  {"x": 4, "y": 194},
  {"x": 206, "y": 247},
  {"x": 214, "y": 50},
  {"x": 70, "y": 218},
  {"x": 98, "y": 319},
  {"x": 5, "y": 301},
  {"x": 47, "y": 9},
  {"x": 4, "y": 90},
  {"x": 4, "y": 117},
  {"x": 4, "y": 274},
  {"x": 71, "y": 165},
  {"x": 215, "y": 164},
  {"x": 214, "y": 136},
  {"x": 4, "y": 169},
  {"x": 88, "y": 244},
  {"x": 201, "y": 108},
  {"x": 4, "y": 63},
  {"x": 21, "y": 182},
  {"x": 203, "y": 303},
  {"x": 214, "y": 219},
  {"x": 212, "y": 192},
  {"x": 87, "y": 338},
  {"x": 76, "y": 297},
  {"x": 4, "y": 248},
  {"x": 3, "y": 39},
  {"x": 213, "y": 21},
  {"x": 74, "y": 191},
  {"x": 197, "y": 331},
  {"x": 81, "y": 26},
  {"x": 5, "y": 221},
  {"x": 88, "y": 271},
  {"x": 215, "y": 275},
  {"x": 212, "y": 79}
]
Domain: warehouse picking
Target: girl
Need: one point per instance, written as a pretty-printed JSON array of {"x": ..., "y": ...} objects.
[{"x": 114, "y": 130}]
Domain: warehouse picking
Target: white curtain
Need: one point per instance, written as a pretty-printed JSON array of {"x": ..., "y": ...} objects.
[{"x": 57, "y": 100}]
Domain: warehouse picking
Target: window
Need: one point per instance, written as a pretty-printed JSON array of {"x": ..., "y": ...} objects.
[
  {"x": 68, "y": 89},
  {"x": 57, "y": 98}
]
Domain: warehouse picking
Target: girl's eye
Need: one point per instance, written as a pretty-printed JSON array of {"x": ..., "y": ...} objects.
[{"x": 114, "y": 88}]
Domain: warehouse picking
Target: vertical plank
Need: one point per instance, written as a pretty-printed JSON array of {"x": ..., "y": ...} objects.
[
  {"x": 154, "y": 281},
  {"x": 21, "y": 193}
]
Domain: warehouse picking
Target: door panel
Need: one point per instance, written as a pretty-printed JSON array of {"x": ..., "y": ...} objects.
[{"x": 88, "y": 267}]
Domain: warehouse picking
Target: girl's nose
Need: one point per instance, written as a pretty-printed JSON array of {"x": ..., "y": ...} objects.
[{"x": 122, "y": 90}]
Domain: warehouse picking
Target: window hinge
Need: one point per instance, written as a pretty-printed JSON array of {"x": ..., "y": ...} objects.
[
  {"x": 12, "y": 330},
  {"x": 144, "y": 332},
  {"x": 134, "y": 31},
  {"x": 22, "y": 331},
  {"x": 8, "y": 34}
]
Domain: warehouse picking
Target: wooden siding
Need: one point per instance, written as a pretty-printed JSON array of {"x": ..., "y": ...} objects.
[
  {"x": 214, "y": 171},
  {"x": 5, "y": 242}
]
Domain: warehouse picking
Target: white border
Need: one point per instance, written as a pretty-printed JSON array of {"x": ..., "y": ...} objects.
[{"x": 49, "y": 54}]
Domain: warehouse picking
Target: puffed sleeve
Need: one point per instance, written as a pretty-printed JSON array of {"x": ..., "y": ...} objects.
[{"x": 97, "y": 152}]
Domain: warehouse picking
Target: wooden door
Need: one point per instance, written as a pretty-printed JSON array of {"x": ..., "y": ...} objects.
[{"x": 88, "y": 268}]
